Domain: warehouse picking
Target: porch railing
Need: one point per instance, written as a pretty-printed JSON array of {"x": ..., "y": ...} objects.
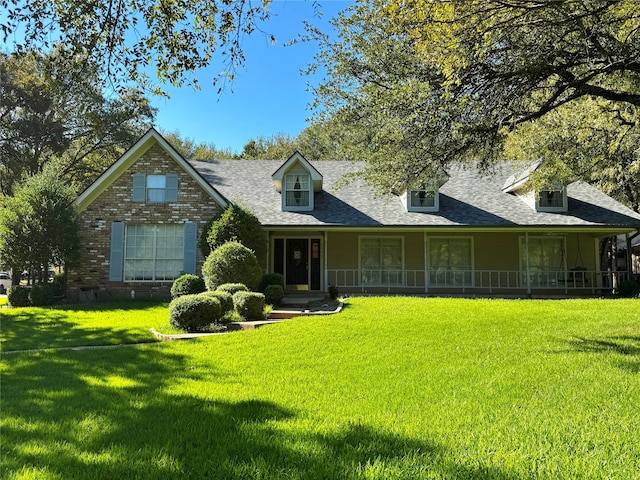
[{"x": 477, "y": 281}]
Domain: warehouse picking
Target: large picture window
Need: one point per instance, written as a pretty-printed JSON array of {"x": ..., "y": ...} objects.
[
  {"x": 381, "y": 261},
  {"x": 153, "y": 252},
  {"x": 546, "y": 260},
  {"x": 450, "y": 262}
]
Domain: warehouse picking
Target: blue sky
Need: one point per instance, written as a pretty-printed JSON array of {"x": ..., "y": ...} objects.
[{"x": 269, "y": 95}]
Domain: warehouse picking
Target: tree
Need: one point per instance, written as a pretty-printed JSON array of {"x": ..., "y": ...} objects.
[
  {"x": 191, "y": 150},
  {"x": 48, "y": 113},
  {"x": 126, "y": 37},
  {"x": 419, "y": 84},
  {"x": 39, "y": 226}
]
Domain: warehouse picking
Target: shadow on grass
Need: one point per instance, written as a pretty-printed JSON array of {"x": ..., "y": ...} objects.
[
  {"x": 151, "y": 413},
  {"x": 623, "y": 346},
  {"x": 40, "y": 328}
]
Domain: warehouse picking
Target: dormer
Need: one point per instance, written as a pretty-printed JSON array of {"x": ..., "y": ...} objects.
[
  {"x": 427, "y": 198},
  {"x": 297, "y": 181},
  {"x": 550, "y": 198}
]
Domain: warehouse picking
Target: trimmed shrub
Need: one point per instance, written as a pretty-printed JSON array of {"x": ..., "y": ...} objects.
[
  {"x": 271, "y": 279},
  {"x": 629, "y": 289},
  {"x": 225, "y": 298},
  {"x": 235, "y": 224},
  {"x": 194, "y": 312},
  {"x": 231, "y": 263},
  {"x": 232, "y": 288},
  {"x": 273, "y": 294},
  {"x": 41, "y": 294},
  {"x": 18, "y": 296},
  {"x": 58, "y": 284},
  {"x": 187, "y": 284},
  {"x": 249, "y": 305}
]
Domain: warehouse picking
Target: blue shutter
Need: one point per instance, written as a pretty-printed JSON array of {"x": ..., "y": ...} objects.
[
  {"x": 190, "y": 247},
  {"x": 171, "y": 188},
  {"x": 117, "y": 252},
  {"x": 139, "y": 187}
]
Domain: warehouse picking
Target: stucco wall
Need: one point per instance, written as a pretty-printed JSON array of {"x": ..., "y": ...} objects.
[{"x": 91, "y": 277}]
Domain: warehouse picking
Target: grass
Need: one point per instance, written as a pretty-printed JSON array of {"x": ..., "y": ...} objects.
[{"x": 391, "y": 388}]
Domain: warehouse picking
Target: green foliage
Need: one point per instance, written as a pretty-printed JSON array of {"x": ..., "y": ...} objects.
[
  {"x": 271, "y": 279},
  {"x": 249, "y": 305},
  {"x": 333, "y": 292},
  {"x": 39, "y": 225},
  {"x": 231, "y": 263},
  {"x": 273, "y": 294},
  {"x": 63, "y": 116},
  {"x": 18, "y": 296},
  {"x": 194, "y": 312},
  {"x": 232, "y": 288},
  {"x": 187, "y": 284},
  {"x": 41, "y": 294},
  {"x": 416, "y": 86},
  {"x": 236, "y": 224},
  {"x": 629, "y": 288},
  {"x": 58, "y": 284},
  {"x": 181, "y": 37},
  {"x": 225, "y": 298}
]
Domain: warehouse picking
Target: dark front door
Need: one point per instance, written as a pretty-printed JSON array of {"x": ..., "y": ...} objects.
[{"x": 297, "y": 261}]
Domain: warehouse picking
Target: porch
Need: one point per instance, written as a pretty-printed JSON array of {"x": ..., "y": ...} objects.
[{"x": 577, "y": 282}]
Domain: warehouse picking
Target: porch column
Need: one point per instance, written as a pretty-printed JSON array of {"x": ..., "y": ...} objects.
[
  {"x": 526, "y": 256},
  {"x": 325, "y": 238},
  {"x": 629, "y": 257},
  {"x": 426, "y": 263}
]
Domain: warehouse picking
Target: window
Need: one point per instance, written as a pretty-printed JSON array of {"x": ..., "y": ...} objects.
[
  {"x": 155, "y": 188},
  {"x": 450, "y": 262},
  {"x": 423, "y": 200},
  {"x": 153, "y": 252},
  {"x": 156, "y": 185},
  {"x": 546, "y": 260},
  {"x": 552, "y": 200},
  {"x": 381, "y": 261},
  {"x": 297, "y": 189}
]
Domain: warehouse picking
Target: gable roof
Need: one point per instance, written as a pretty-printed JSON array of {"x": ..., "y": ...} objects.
[
  {"x": 468, "y": 199},
  {"x": 316, "y": 176},
  {"x": 148, "y": 140}
]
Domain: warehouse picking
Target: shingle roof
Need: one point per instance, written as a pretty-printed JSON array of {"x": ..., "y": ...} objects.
[{"x": 469, "y": 198}]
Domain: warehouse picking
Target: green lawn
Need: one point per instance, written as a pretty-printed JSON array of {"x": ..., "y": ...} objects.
[{"x": 391, "y": 388}]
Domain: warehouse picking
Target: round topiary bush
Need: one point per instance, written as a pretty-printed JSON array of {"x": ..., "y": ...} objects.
[
  {"x": 194, "y": 312},
  {"x": 18, "y": 296},
  {"x": 41, "y": 294},
  {"x": 225, "y": 298},
  {"x": 271, "y": 279},
  {"x": 232, "y": 288},
  {"x": 249, "y": 305},
  {"x": 273, "y": 294},
  {"x": 187, "y": 284},
  {"x": 231, "y": 263}
]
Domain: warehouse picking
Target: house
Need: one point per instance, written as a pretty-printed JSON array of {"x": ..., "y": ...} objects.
[{"x": 463, "y": 233}]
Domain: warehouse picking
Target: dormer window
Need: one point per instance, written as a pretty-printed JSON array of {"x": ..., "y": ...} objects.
[
  {"x": 297, "y": 191},
  {"x": 425, "y": 200},
  {"x": 552, "y": 200},
  {"x": 297, "y": 181}
]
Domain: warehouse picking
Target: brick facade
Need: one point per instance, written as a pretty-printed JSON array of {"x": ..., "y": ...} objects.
[{"x": 90, "y": 279}]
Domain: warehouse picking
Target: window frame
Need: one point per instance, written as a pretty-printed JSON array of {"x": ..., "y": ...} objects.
[
  {"x": 552, "y": 276},
  {"x": 298, "y": 177},
  {"x": 450, "y": 273},
  {"x": 130, "y": 259},
  {"x": 432, "y": 192},
  {"x": 383, "y": 272},
  {"x": 561, "y": 190}
]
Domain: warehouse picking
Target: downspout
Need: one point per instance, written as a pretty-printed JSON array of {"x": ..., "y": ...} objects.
[
  {"x": 326, "y": 261},
  {"x": 426, "y": 264},
  {"x": 629, "y": 258}
]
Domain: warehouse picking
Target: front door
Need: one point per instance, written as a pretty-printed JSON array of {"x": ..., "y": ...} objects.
[{"x": 297, "y": 262}]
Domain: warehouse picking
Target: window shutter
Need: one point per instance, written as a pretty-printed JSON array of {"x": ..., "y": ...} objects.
[
  {"x": 139, "y": 187},
  {"x": 117, "y": 252},
  {"x": 171, "y": 192},
  {"x": 190, "y": 247}
]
